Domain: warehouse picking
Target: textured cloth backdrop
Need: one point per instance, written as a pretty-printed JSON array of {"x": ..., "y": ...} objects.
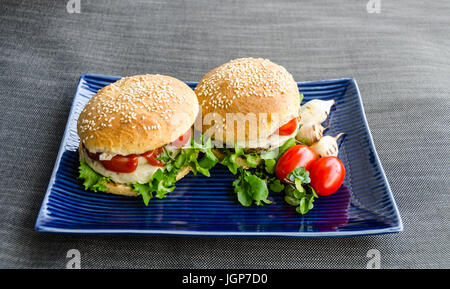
[{"x": 399, "y": 57}]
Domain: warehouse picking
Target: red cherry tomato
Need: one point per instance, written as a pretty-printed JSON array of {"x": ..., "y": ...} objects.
[
  {"x": 288, "y": 128},
  {"x": 151, "y": 157},
  {"x": 327, "y": 175},
  {"x": 182, "y": 140},
  {"x": 122, "y": 164},
  {"x": 295, "y": 157}
]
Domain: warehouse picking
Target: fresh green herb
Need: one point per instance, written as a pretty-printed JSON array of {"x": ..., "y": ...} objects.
[
  {"x": 230, "y": 159},
  {"x": 299, "y": 193},
  {"x": 292, "y": 201},
  {"x": 306, "y": 203},
  {"x": 299, "y": 174},
  {"x": 207, "y": 162},
  {"x": 275, "y": 185},
  {"x": 251, "y": 185},
  {"x": 165, "y": 156},
  {"x": 269, "y": 166},
  {"x": 250, "y": 188},
  {"x": 163, "y": 180},
  {"x": 252, "y": 160},
  {"x": 269, "y": 155},
  {"x": 242, "y": 191},
  {"x": 180, "y": 160},
  {"x": 160, "y": 184}
]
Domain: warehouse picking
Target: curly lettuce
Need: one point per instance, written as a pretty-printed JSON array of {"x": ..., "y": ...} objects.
[{"x": 91, "y": 180}]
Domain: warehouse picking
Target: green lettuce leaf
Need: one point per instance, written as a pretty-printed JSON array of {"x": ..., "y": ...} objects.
[
  {"x": 252, "y": 160},
  {"x": 199, "y": 157},
  {"x": 230, "y": 159},
  {"x": 269, "y": 166},
  {"x": 91, "y": 180},
  {"x": 145, "y": 191},
  {"x": 287, "y": 145}
]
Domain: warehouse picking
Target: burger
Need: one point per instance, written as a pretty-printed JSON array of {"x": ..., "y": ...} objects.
[
  {"x": 249, "y": 103},
  {"x": 135, "y": 137},
  {"x": 250, "y": 108}
]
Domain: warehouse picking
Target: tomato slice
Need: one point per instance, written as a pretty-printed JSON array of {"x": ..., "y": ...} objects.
[
  {"x": 327, "y": 175},
  {"x": 151, "y": 157},
  {"x": 121, "y": 164},
  {"x": 93, "y": 156},
  {"x": 288, "y": 128},
  {"x": 182, "y": 140},
  {"x": 295, "y": 157},
  {"x": 128, "y": 164}
]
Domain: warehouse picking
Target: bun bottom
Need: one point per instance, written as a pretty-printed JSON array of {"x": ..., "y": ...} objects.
[{"x": 126, "y": 190}]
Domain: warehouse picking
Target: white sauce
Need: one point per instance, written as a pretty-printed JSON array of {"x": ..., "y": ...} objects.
[{"x": 106, "y": 156}]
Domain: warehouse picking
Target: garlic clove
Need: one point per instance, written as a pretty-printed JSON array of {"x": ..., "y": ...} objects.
[
  {"x": 310, "y": 133},
  {"x": 327, "y": 146},
  {"x": 315, "y": 110}
]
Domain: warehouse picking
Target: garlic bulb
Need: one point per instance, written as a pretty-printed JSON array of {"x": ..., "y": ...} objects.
[
  {"x": 327, "y": 146},
  {"x": 310, "y": 133},
  {"x": 315, "y": 110}
]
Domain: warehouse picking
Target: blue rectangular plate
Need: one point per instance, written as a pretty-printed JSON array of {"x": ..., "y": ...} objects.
[{"x": 208, "y": 207}]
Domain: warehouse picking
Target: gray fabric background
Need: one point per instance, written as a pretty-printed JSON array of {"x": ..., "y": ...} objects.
[{"x": 399, "y": 57}]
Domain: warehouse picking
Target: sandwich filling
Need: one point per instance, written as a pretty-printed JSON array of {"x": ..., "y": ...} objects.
[
  {"x": 133, "y": 168},
  {"x": 141, "y": 168},
  {"x": 273, "y": 141},
  {"x": 150, "y": 174}
]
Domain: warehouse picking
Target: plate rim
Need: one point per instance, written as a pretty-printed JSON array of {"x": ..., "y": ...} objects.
[{"x": 48, "y": 229}]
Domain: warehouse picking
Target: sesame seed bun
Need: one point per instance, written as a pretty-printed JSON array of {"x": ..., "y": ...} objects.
[
  {"x": 248, "y": 85},
  {"x": 137, "y": 114}
]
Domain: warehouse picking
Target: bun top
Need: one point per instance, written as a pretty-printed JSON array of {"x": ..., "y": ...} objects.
[
  {"x": 136, "y": 114},
  {"x": 247, "y": 85}
]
